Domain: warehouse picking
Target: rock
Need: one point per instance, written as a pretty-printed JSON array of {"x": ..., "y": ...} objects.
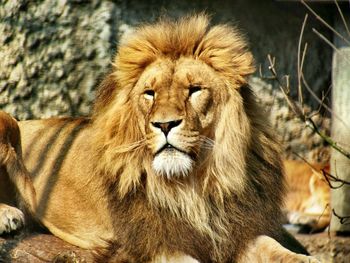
[
  {"x": 39, "y": 248},
  {"x": 297, "y": 138},
  {"x": 42, "y": 44},
  {"x": 327, "y": 248},
  {"x": 49, "y": 47}
]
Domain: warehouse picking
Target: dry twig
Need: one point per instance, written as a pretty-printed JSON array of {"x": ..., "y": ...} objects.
[
  {"x": 298, "y": 109},
  {"x": 330, "y": 179},
  {"x": 325, "y": 23},
  {"x": 344, "y": 220},
  {"x": 330, "y": 44},
  {"x": 301, "y": 63},
  {"x": 342, "y": 17}
]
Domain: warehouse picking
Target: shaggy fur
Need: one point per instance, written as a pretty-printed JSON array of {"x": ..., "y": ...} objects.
[
  {"x": 222, "y": 198},
  {"x": 95, "y": 184}
]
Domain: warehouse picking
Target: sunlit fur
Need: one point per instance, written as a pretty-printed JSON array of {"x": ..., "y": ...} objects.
[
  {"x": 308, "y": 198},
  {"x": 243, "y": 158},
  {"x": 104, "y": 183},
  {"x": 174, "y": 163}
]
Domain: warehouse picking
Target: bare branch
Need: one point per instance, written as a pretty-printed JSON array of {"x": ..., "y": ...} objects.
[
  {"x": 311, "y": 124},
  {"x": 300, "y": 63},
  {"x": 300, "y": 72},
  {"x": 324, "y": 22},
  {"x": 287, "y": 86},
  {"x": 345, "y": 220},
  {"x": 331, "y": 179},
  {"x": 342, "y": 17},
  {"x": 305, "y": 161},
  {"x": 329, "y": 43},
  {"x": 296, "y": 109},
  {"x": 293, "y": 106},
  {"x": 321, "y": 102}
]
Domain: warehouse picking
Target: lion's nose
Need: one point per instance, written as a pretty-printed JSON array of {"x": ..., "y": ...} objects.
[{"x": 166, "y": 126}]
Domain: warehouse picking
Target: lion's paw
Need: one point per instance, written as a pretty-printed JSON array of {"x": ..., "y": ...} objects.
[
  {"x": 11, "y": 219},
  {"x": 305, "y": 259},
  {"x": 297, "y": 218}
]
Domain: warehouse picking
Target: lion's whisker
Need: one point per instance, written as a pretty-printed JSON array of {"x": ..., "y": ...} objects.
[
  {"x": 206, "y": 139},
  {"x": 130, "y": 147},
  {"x": 206, "y": 143}
]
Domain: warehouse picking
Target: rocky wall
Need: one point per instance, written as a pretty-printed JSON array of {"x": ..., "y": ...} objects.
[
  {"x": 298, "y": 139},
  {"x": 54, "y": 53}
]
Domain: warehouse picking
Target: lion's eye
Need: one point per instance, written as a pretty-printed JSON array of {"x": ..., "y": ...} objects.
[
  {"x": 194, "y": 89},
  {"x": 149, "y": 94}
]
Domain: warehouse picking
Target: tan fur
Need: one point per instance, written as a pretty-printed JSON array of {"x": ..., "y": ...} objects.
[
  {"x": 308, "y": 199},
  {"x": 265, "y": 249},
  {"x": 11, "y": 163},
  {"x": 95, "y": 178}
]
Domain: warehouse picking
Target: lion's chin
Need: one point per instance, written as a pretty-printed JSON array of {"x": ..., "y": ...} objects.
[{"x": 172, "y": 163}]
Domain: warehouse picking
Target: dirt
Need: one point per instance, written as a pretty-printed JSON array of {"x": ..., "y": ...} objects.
[
  {"x": 39, "y": 248},
  {"x": 327, "y": 247}
]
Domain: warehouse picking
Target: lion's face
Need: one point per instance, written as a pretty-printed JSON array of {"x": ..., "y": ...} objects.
[
  {"x": 176, "y": 101},
  {"x": 175, "y": 86}
]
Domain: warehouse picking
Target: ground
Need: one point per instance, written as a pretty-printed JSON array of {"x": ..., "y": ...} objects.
[
  {"x": 327, "y": 247},
  {"x": 41, "y": 248}
]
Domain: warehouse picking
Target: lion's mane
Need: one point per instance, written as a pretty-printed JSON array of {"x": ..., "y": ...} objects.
[{"x": 241, "y": 182}]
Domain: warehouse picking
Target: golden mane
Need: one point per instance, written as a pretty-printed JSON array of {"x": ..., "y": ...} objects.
[
  {"x": 245, "y": 156},
  {"x": 222, "y": 47}
]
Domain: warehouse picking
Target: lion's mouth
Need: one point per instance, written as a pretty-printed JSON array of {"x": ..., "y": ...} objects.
[
  {"x": 169, "y": 148},
  {"x": 171, "y": 161}
]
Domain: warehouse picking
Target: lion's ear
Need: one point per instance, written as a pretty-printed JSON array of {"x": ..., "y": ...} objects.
[
  {"x": 225, "y": 49},
  {"x": 245, "y": 65},
  {"x": 105, "y": 93}
]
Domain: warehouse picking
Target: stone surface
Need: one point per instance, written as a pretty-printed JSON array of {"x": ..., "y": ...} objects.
[
  {"x": 38, "y": 248},
  {"x": 340, "y": 165},
  {"x": 327, "y": 248},
  {"x": 54, "y": 53},
  {"x": 295, "y": 135},
  {"x": 41, "y": 248}
]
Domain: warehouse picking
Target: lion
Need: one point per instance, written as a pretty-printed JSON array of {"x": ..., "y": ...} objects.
[
  {"x": 177, "y": 162},
  {"x": 308, "y": 199}
]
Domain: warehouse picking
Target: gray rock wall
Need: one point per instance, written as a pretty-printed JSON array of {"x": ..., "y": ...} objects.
[
  {"x": 297, "y": 138},
  {"x": 54, "y": 53}
]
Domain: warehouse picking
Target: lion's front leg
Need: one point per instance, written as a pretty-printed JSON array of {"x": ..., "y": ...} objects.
[
  {"x": 11, "y": 218},
  {"x": 15, "y": 181},
  {"x": 265, "y": 249}
]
